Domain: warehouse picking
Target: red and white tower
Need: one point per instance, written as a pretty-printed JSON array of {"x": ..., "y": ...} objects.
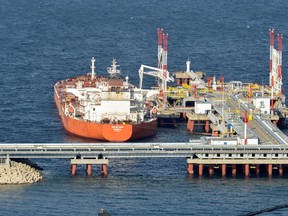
[
  {"x": 160, "y": 48},
  {"x": 271, "y": 33},
  {"x": 279, "y": 39},
  {"x": 165, "y": 52},
  {"x": 275, "y": 79},
  {"x": 164, "y": 60}
]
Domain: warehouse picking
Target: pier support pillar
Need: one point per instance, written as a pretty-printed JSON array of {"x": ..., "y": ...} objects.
[
  {"x": 200, "y": 169},
  {"x": 73, "y": 169},
  {"x": 89, "y": 169},
  {"x": 190, "y": 125},
  {"x": 162, "y": 123},
  {"x": 243, "y": 168},
  {"x": 104, "y": 169},
  {"x": 223, "y": 169},
  {"x": 190, "y": 168},
  {"x": 207, "y": 126},
  {"x": 184, "y": 115},
  {"x": 280, "y": 169},
  {"x": 247, "y": 170},
  {"x": 270, "y": 169},
  {"x": 281, "y": 122},
  {"x": 257, "y": 169},
  {"x": 214, "y": 133},
  {"x": 211, "y": 170},
  {"x": 174, "y": 122},
  {"x": 234, "y": 169}
]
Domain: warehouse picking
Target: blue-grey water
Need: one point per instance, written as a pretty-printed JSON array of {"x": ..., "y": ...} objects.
[{"x": 42, "y": 42}]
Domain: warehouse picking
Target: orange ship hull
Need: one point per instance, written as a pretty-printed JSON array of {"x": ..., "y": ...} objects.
[{"x": 106, "y": 132}]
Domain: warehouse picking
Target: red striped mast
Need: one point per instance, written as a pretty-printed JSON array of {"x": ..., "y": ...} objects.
[
  {"x": 165, "y": 54},
  {"x": 160, "y": 48},
  {"x": 279, "y": 39},
  {"x": 271, "y": 32}
]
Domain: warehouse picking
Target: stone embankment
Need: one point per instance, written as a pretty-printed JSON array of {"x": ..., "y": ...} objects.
[{"x": 18, "y": 173}]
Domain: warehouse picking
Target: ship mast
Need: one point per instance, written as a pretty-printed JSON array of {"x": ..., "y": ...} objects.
[
  {"x": 113, "y": 69},
  {"x": 93, "y": 68}
]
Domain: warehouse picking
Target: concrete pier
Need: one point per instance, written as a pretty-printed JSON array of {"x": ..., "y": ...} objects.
[
  {"x": 270, "y": 169},
  {"x": 190, "y": 125},
  {"x": 214, "y": 133},
  {"x": 198, "y": 120},
  {"x": 207, "y": 126},
  {"x": 246, "y": 164},
  {"x": 89, "y": 169},
  {"x": 234, "y": 169},
  {"x": 247, "y": 170},
  {"x": 211, "y": 170},
  {"x": 280, "y": 169},
  {"x": 223, "y": 170},
  {"x": 257, "y": 169},
  {"x": 104, "y": 169},
  {"x": 89, "y": 163},
  {"x": 190, "y": 168},
  {"x": 200, "y": 169},
  {"x": 73, "y": 169}
]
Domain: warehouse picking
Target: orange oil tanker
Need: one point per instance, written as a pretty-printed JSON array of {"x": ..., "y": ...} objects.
[{"x": 104, "y": 108}]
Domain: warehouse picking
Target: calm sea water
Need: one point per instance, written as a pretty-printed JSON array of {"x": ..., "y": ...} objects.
[{"x": 42, "y": 42}]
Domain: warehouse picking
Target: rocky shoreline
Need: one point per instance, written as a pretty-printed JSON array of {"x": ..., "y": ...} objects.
[{"x": 18, "y": 173}]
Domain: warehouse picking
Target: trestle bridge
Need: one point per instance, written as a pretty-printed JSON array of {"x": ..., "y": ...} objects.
[{"x": 199, "y": 156}]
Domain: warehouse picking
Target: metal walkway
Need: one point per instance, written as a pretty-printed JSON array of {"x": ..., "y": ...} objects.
[
  {"x": 141, "y": 150},
  {"x": 264, "y": 130}
]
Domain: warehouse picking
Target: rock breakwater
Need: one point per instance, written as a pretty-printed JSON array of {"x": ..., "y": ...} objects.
[{"x": 18, "y": 173}]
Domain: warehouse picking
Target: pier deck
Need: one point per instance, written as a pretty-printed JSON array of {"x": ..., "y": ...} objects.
[
  {"x": 141, "y": 150},
  {"x": 197, "y": 154}
]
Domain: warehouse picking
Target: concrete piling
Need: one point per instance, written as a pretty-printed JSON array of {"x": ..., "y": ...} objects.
[
  {"x": 247, "y": 170},
  {"x": 89, "y": 169},
  {"x": 233, "y": 164},
  {"x": 234, "y": 169},
  {"x": 280, "y": 169},
  {"x": 207, "y": 126},
  {"x": 257, "y": 169},
  {"x": 89, "y": 163},
  {"x": 200, "y": 169},
  {"x": 211, "y": 169},
  {"x": 73, "y": 169},
  {"x": 104, "y": 169},
  {"x": 190, "y": 168},
  {"x": 223, "y": 170},
  {"x": 270, "y": 169}
]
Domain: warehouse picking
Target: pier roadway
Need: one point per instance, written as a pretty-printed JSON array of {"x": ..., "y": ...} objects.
[
  {"x": 266, "y": 134},
  {"x": 94, "y": 150},
  {"x": 192, "y": 149}
]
